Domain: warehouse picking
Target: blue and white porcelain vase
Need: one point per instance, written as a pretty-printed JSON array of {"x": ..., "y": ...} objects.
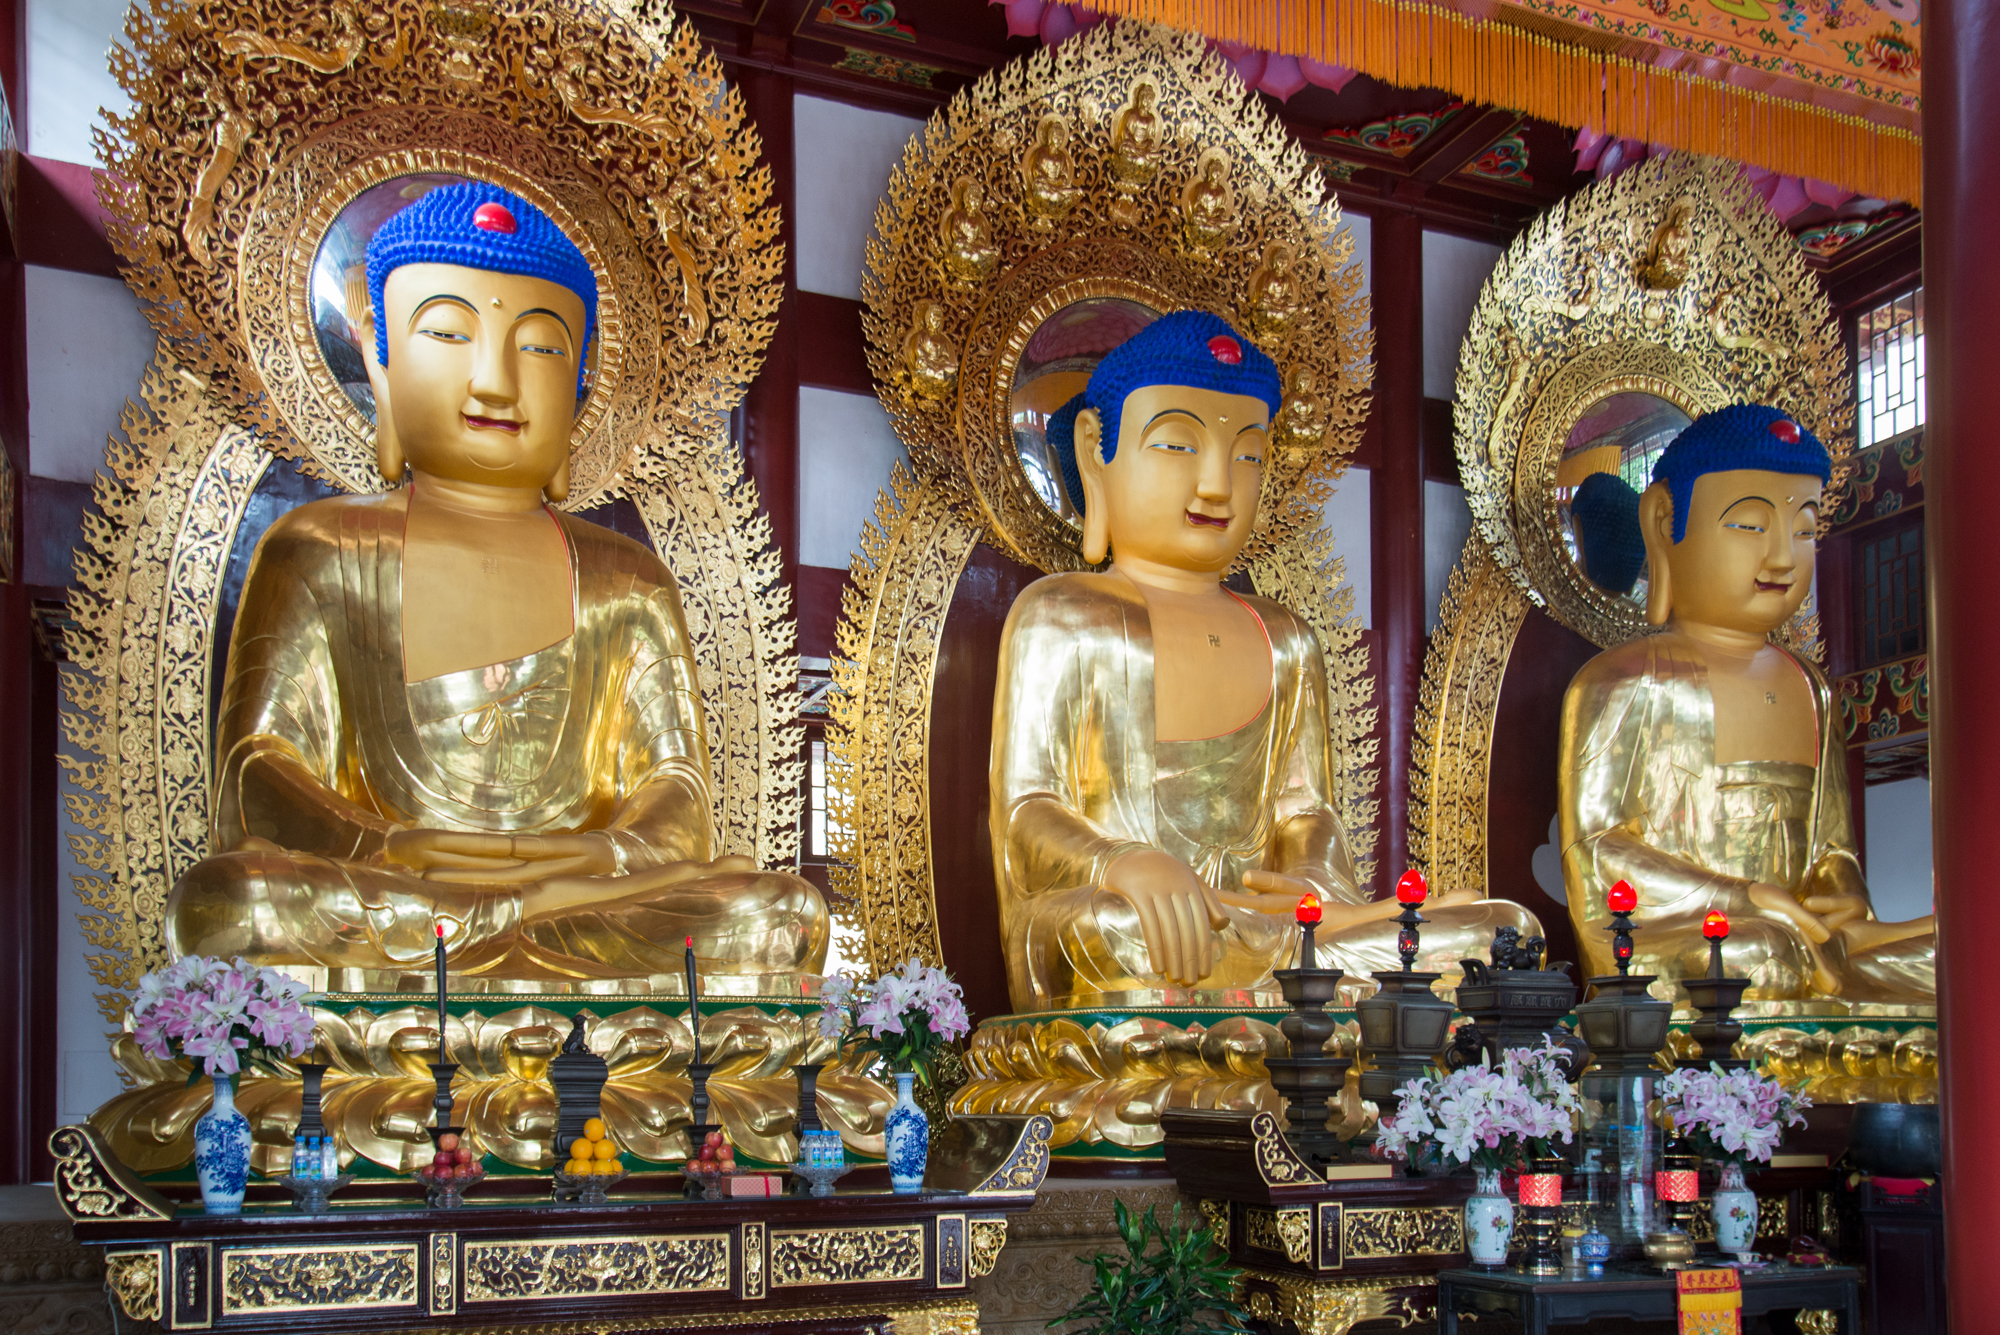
[
  {"x": 222, "y": 1151},
  {"x": 1489, "y": 1220},
  {"x": 908, "y": 1136}
]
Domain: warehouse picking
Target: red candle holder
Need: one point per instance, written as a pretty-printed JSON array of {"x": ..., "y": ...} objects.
[
  {"x": 1308, "y": 915},
  {"x": 1716, "y": 925},
  {"x": 1411, "y": 888},
  {"x": 1623, "y": 898},
  {"x": 1309, "y": 911}
]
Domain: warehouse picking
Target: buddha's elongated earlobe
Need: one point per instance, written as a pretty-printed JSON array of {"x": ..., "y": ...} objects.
[
  {"x": 557, "y": 490},
  {"x": 1090, "y": 466},
  {"x": 388, "y": 448},
  {"x": 1656, "y": 527}
]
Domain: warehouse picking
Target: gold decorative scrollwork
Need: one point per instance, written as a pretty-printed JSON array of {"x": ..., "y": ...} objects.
[
  {"x": 319, "y": 1279},
  {"x": 1286, "y": 1233},
  {"x": 1216, "y": 1215},
  {"x": 753, "y": 1260},
  {"x": 593, "y": 1266},
  {"x": 1424, "y": 1230},
  {"x": 965, "y": 263},
  {"x": 344, "y": 44},
  {"x": 873, "y": 1254},
  {"x": 92, "y": 1184},
  {"x": 444, "y": 1274},
  {"x": 988, "y": 1237},
  {"x": 1277, "y": 1161},
  {"x": 1026, "y": 1165},
  {"x": 1335, "y": 1306},
  {"x": 1817, "y": 1321},
  {"x": 134, "y": 1280}
]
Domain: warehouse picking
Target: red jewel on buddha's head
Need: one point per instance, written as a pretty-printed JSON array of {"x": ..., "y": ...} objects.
[
  {"x": 1786, "y": 431},
  {"x": 1411, "y": 888},
  {"x": 1226, "y": 350},
  {"x": 491, "y": 217},
  {"x": 1716, "y": 925},
  {"x": 1308, "y": 910},
  {"x": 1623, "y": 897}
]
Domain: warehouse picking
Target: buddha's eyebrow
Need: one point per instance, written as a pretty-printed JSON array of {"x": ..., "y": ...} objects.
[
  {"x": 1169, "y": 412},
  {"x": 1251, "y": 426},
  {"x": 543, "y": 310},
  {"x": 425, "y": 304},
  {"x": 1741, "y": 500}
]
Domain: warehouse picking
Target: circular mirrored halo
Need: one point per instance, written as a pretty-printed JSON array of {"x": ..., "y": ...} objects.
[
  {"x": 1622, "y": 434},
  {"x": 1055, "y": 366},
  {"x": 1610, "y": 410}
]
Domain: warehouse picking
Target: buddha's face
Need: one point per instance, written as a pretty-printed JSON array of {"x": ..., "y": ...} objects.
[
  {"x": 482, "y": 373},
  {"x": 1182, "y": 489},
  {"x": 1746, "y": 563}
]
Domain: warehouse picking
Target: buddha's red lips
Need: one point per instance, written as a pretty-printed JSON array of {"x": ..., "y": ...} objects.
[
  {"x": 492, "y": 424},
  {"x": 1765, "y": 586},
  {"x": 1206, "y": 521}
]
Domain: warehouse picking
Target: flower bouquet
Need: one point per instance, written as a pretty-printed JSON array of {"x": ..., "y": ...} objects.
[
  {"x": 904, "y": 1019},
  {"x": 1493, "y": 1120},
  {"x": 1732, "y": 1117},
  {"x": 224, "y": 1017}
]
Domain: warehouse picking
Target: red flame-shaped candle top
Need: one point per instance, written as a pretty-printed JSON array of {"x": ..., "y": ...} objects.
[
  {"x": 1716, "y": 925},
  {"x": 1309, "y": 911},
  {"x": 1411, "y": 888},
  {"x": 1623, "y": 898}
]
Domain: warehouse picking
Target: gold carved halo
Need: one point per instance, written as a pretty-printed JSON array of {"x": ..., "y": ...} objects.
[
  {"x": 1115, "y": 237},
  {"x": 1095, "y": 229},
  {"x": 1674, "y": 279},
  {"x": 253, "y": 123}
]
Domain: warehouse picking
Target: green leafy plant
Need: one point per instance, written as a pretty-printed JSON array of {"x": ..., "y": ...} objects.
[{"x": 1174, "y": 1282}]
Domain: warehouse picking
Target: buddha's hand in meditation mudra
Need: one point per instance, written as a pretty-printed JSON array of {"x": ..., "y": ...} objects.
[
  {"x": 1162, "y": 774},
  {"x": 454, "y": 703},
  {"x": 1705, "y": 764}
]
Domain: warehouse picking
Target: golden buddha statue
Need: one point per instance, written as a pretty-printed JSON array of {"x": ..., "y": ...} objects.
[
  {"x": 1705, "y": 764},
  {"x": 969, "y": 253},
  {"x": 1048, "y": 174},
  {"x": 1161, "y": 777},
  {"x": 453, "y": 706},
  {"x": 929, "y": 359},
  {"x": 1274, "y": 294},
  {"x": 1208, "y": 205},
  {"x": 1136, "y": 137}
]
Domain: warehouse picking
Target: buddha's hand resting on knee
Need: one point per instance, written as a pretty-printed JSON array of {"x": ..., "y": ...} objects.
[
  {"x": 507, "y": 859},
  {"x": 1179, "y": 913}
]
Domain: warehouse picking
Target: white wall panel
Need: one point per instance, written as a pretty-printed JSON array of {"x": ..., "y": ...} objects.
[
  {"x": 846, "y": 449},
  {"x": 1447, "y": 522},
  {"x": 842, "y": 156},
  {"x": 68, "y": 77},
  {"x": 1346, "y": 517},
  {"x": 1899, "y": 849},
  {"x": 1454, "y": 271},
  {"x": 88, "y": 345}
]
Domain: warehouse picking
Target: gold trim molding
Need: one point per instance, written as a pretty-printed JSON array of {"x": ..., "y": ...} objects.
[
  {"x": 92, "y": 1184},
  {"x": 1335, "y": 1306},
  {"x": 1286, "y": 1233},
  {"x": 988, "y": 1238},
  {"x": 136, "y": 1280},
  {"x": 1417, "y": 1230}
]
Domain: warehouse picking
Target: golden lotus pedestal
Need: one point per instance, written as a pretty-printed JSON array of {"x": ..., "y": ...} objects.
[{"x": 648, "y": 1261}]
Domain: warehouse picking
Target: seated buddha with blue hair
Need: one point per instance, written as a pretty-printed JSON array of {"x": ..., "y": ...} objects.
[
  {"x": 1163, "y": 780},
  {"x": 1706, "y": 764},
  {"x": 452, "y": 709}
]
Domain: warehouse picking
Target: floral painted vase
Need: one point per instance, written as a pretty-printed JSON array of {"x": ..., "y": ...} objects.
[
  {"x": 222, "y": 1151},
  {"x": 1735, "y": 1211},
  {"x": 907, "y": 1133},
  {"x": 1489, "y": 1221}
]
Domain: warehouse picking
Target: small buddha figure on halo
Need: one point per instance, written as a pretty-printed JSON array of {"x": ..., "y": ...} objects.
[
  {"x": 969, "y": 252},
  {"x": 1162, "y": 776},
  {"x": 1208, "y": 205},
  {"x": 929, "y": 359},
  {"x": 1049, "y": 173},
  {"x": 453, "y": 706},
  {"x": 1705, "y": 764},
  {"x": 1136, "y": 137}
]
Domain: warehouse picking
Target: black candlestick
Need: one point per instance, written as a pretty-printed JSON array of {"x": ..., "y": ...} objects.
[
  {"x": 1407, "y": 937},
  {"x": 444, "y": 1071}
]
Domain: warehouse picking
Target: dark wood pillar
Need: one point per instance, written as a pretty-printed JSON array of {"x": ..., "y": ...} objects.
[
  {"x": 770, "y": 411},
  {"x": 1961, "y": 293},
  {"x": 1396, "y": 515}
]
